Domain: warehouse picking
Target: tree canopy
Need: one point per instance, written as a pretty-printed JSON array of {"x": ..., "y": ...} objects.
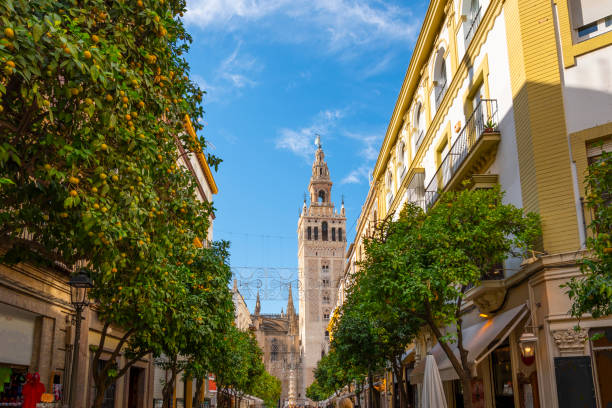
[
  {"x": 94, "y": 100},
  {"x": 592, "y": 292}
]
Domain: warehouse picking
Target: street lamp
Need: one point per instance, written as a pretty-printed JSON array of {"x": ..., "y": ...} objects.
[
  {"x": 527, "y": 342},
  {"x": 79, "y": 291}
]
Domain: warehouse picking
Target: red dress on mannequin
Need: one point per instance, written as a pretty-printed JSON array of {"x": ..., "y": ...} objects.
[{"x": 32, "y": 391}]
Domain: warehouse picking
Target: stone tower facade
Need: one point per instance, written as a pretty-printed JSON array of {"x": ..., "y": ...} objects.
[{"x": 321, "y": 245}]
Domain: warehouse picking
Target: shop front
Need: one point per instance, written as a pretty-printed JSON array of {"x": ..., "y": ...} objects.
[{"x": 493, "y": 357}]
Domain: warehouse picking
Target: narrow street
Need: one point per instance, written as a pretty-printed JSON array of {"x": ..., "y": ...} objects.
[{"x": 306, "y": 204}]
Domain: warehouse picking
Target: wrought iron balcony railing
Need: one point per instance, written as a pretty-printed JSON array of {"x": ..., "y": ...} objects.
[{"x": 482, "y": 120}]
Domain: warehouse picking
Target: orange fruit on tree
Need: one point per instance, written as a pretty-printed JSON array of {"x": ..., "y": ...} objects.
[
  {"x": 87, "y": 54},
  {"x": 95, "y": 38}
]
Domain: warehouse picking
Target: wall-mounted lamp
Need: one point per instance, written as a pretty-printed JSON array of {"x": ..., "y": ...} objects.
[{"x": 527, "y": 342}]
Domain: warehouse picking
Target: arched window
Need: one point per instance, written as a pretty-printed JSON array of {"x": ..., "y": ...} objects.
[
  {"x": 324, "y": 231},
  {"x": 326, "y": 298},
  {"x": 321, "y": 196},
  {"x": 274, "y": 350},
  {"x": 440, "y": 77},
  {"x": 316, "y": 233},
  {"x": 419, "y": 124},
  {"x": 326, "y": 315},
  {"x": 309, "y": 233},
  {"x": 339, "y": 234},
  {"x": 333, "y": 234}
]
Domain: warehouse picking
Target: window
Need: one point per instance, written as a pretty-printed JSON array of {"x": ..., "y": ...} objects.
[
  {"x": 325, "y": 283},
  {"x": 590, "y": 17},
  {"x": 309, "y": 233},
  {"x": 473, "y": 21},
  {"x": 275, "y": 348},
  {"x": 339, "y": 234},
  {"x": 324, "y": 231},
  {"x": 316, "y": 233},
  {"x": 502, "y": 376},
  {"x": 324, "y": 268},
  {"x": 326, "y": 298},
  {"x": 333, "y": 234},
  {"x": 321, "y": 196},
  {"x": 440, "y": 77},
  {"x": 601, "y": 348},
  {"x": 326, "y": 316},
  {"x": 587, "y": 29}
]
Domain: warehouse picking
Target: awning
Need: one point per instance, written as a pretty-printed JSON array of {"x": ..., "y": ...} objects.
[
  {"x": 477, "y": 339},
  {"x": 408, "y": 355}
]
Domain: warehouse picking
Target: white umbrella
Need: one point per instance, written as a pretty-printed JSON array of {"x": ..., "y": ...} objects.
[{"x": 433, "y": 393}]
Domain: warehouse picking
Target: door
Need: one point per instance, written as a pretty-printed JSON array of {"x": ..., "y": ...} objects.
[{"x": 136, "y": 387}]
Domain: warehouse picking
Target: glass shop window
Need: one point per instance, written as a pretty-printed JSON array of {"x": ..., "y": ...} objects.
[{"x": 502, "y": 376}]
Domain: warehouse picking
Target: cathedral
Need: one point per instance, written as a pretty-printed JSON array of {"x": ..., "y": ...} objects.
[{"x": 293, "y": 343}]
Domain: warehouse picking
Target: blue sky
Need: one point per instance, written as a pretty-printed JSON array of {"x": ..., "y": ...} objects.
[{"x": 276, "y": 72}]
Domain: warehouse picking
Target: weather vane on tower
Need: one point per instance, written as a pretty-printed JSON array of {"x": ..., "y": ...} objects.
[{"x": 318, "y": 140}]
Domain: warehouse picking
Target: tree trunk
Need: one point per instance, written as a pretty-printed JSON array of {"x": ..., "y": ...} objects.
[
  {"x": 99, "y": 397},
  {"x": 198, "y": 393},
  {"x": 461, "y": 367},
  {"x": 397, "y": 370},
  {"x": 370, "y": 391},
  {"x": 168, "y": 390}
]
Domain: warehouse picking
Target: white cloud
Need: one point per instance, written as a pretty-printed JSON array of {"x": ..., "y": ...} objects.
[
  {"x": 301, "y": 141},
  {"x": 370, "y": 144},
  {"x": 341, "y": 24},
  {"x": 357, "y": 176},
  {"x": 232, "y": 74}
]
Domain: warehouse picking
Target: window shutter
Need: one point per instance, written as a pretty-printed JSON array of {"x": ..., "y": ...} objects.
[
  {"x": 588, "y": 11},
  {"x": 597, "y": 148}
]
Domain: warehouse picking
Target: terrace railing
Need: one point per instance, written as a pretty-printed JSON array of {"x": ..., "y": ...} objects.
[{"x": 483, "y": 119}]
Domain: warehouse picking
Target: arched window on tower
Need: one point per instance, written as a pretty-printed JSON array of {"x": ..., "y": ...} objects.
[
  {"x": 316, "y": 233},
  {"x": 333, "y": 234},
  {"x": 321, "y": 196},
  {"x": 309, "y": 233},
  {"x": 339, "y": 234},
  {"x": 324, "y": 231}
]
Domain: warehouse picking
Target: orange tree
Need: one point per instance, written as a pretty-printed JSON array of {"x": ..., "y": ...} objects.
[
  {"x": 204, "y": 310},
  {"x": 428, "y": 261},
  {"x": 93, "y": 99},
  {"x": 592, "y": 292}
]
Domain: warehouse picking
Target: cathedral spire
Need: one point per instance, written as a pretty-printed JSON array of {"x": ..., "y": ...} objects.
[
  {"x": 257, "y": 304},
  {"x": 290, "y": 308}
]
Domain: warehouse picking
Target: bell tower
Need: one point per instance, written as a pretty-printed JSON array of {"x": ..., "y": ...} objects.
[{"x": 321, "y": 245}]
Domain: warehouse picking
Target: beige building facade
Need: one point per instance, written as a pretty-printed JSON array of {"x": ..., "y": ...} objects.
[
  {"x": 278, "y": 338},
  {"x": 515, "y": 93}
]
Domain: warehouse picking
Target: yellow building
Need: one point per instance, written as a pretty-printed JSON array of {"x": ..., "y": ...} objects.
[{"x": 514, "y": 92}]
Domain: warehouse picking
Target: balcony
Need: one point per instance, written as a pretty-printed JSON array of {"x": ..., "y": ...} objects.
[{"x": 472, "y": 152}]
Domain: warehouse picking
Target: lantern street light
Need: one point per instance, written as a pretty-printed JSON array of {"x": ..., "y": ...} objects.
[
  {"x": 527, "y": 342},
  {"x": 79, "y": 291}
]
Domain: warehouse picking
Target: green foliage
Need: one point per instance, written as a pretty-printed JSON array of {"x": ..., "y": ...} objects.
[
  {"x": 592, "y": 292},
  {"x": 417, "y": 270},
  {"x": 268, "y": 388},
  {"x": 93, "y": 99}
]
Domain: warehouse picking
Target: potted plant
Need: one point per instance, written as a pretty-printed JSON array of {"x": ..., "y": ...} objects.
[{"x": 490, "y": 126}]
